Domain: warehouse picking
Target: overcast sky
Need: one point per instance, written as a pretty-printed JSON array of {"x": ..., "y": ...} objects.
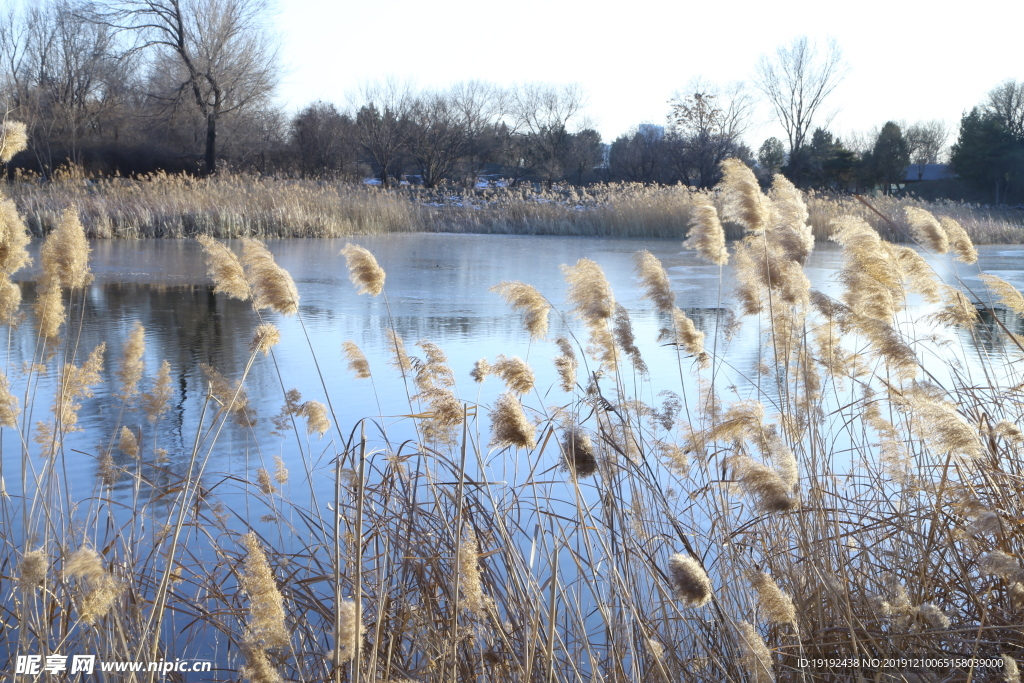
[{"x": 910, "y": 61}]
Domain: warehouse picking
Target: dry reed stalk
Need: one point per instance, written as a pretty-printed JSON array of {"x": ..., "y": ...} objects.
[
  {"x": 926, "y": 230},
  {"x": 689, "y": 580},
  {"x": 363, "y": 270},
  {"x": 357, "y": 362},
  {"x": 271, "y": 285},
  {"x": 706, "y": 234},
  {"x": 531, "y": 303}
]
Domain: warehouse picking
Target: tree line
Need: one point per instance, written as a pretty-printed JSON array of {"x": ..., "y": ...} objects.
[{"x": 135, "y": 86}]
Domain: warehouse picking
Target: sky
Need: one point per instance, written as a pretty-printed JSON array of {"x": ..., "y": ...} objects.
[{"x": 904, "y": 61}]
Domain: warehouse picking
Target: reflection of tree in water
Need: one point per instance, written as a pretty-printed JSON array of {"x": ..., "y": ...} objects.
[{"x": 989, "y": 333}]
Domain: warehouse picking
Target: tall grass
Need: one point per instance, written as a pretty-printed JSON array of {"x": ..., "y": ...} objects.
[
  {"x": 163, "y": 205},
  {"x": 857, "y": 498}
]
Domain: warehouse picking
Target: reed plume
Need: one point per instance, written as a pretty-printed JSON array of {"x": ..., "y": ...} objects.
[
  {"x": 789, "y": 216},
  {"x": 480, "y": 370},
  {"x": 769, "y": 489},
  {"x": 959, "y": 241},
  {"x": 316, "y": 417},
  {"x": 13, "y": 139},
  {"x": 271, "y": 285},
  {"x": 1011, "y": 674},
  {"x": 363, "y": 270},
  {"x": 509, "y": 426},
  {"x": 689, "y": 580},
  {"x": 755, "y": 656},
  {"x": 76, "y": 383},
  {"x": 264, "y": 482},
  {"x": 566, "y": 365},
  {"x": 470, "y": 577},
  {"x": 357, "y": 362},
  {"x": 400, "y": 359},
  {"x": 257, "y": 667},
  {"x": 776, "y": 606},
  {"x": 623, "y": 329},
  {"x": 654, "y": 281},
  {"x": 706, "y": 234},
  {"x": 280, "y": 471},
  {"x": 14, "y": 240},
  {"x": 685, "y": 335},
  {"x": 578, "y": 451},
  {"x": 266, "y": 604},
  {"x": 231, "y": 396},
  {"x": 926, "y": 230},
  {"x": 352, "y": 630},
  {"x": 100, "y": 590},
  {"x": 225, "y": 269},
  {"x": 9, "y": 409},
  {"x": 128, "y": 444},
  {"x": 155, "y": 403},
  {"x": 870, "y": 272},
  {"x": 32, "y": 569},
  {"x": 742, "y": 197},
  {"x": 65, "y": 253},
  {"x": 1005, "y": 293},
  {"x": 531, "y": 303},
  {"x": 593, "y": 302},
  {"x": 998, "y": 563},
  {"x": 515, "y": 372},
  {"x": 132, "y": 363},
  {"x": 264, "y": 338}
]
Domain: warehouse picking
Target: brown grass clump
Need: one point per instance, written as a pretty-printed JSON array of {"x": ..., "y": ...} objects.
[
  {"x": 271, "y": 285},
  {"x": 690, "y": 581},
  {"x": 578, "y": 451},
  {"x": 264, "y": 338},
  {"x": 514, "y": 372},
  {"x": 926, "y": 230},
  {"x": 225, "y": 269},
  {"x": 509, "y": 426},
  {"x": 357, "y": 362},
  {"x": 32, "y": 569},
  {"x": 132, "y": 364},
  {"x": 363, "y": 270},
  {"x": 13, "y": 139},
  {"x": 531, "y": 303},
  {"x": 756, "y": 658},
  {"x": 706, "y": 235},
  {"x": 654, "y": 280},
  {"x": 742, "y": 198},
  {"x": 266, "y": 604}
]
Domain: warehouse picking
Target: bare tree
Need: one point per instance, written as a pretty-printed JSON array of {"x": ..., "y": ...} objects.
[
  {"x": 382, "y": 126},
  {"x": 545, "y": 112},
  {"x": 705, "y": 127},
  {"x": 796, "y": 82},
  {"x": 436, "y": 137},
  {"x": 216, "y": 53},
  {"x": 926, "y": 140},
  {"x": 1007, "y": 102},
  {"x": 481, "y": 108}
]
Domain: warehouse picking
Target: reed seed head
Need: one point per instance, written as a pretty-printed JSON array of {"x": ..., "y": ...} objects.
[
  {"x": 13, "y": 139},
  {"x": 755, "y": 656},
  {"x": 742, "y": 197},
  {"x": 132, "y": 363},
  {"x": 84, "y": 563},
  {"x": 14, "y": 238},
  {"x": 959, "y": 241},
  {"x": 654, "y": 280},
  {"x": 566, "y": 365},
  {"x": 1011, "y": 674},
  {"x": 65, "y": 253},
  {"x": 363, "y": 270},
  {"x": 351, "y": 632},
  {"x": 32, "y": 569},
  {"x": 1005, "y": 293},
  {"x": 706, "y": 234},
  {"x": 690, "y": 581},
  {"x": 480, "y": 370},
  {"x": 589, "y": 292},
  {"x": 776, "y": 606},
  {"x": 264, "y": 338},
  {"x": 225, "y": 269},
  {"x": 357, "y": 362},
  {"x": 531, "y": 303},
  {"x": 280, "y": 471},
  {"x": 578, "y": 450},
  {"x": 271, "y": 285},
  {"x": 926, "y": 230},
  {"x": 264, "y": 482},
  {"x": 9, "y": 409},
  {"x": 128, "y": 444},
  {"x": 266, "y": 604},
  {"x": 515, "y": 372},
  {"x": 509, "y": 426},
  {"x": 470, "y": 575},
  {"x": 316, "y": 417},
  {"x": 155, "y": 403}
]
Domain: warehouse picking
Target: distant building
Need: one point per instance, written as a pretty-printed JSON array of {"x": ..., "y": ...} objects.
[{"x": 920, "y": 172}]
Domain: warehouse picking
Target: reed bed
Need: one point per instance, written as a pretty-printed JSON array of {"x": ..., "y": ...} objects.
[
  {"x": 847, "y": 512},
  {"x": 163, "y": 205}
]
